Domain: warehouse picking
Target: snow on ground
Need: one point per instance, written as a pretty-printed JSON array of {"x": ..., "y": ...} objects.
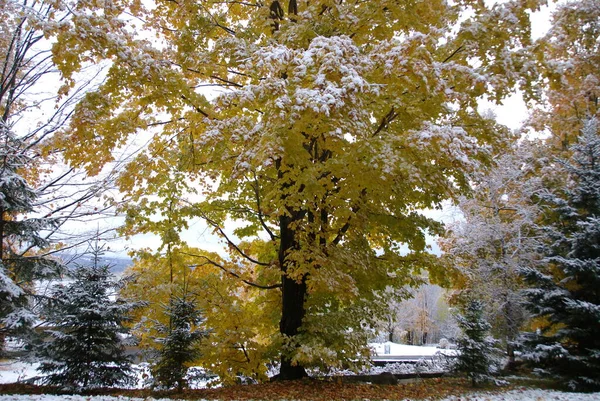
[
  {"x": 11, "y": 371},
  {"x": 515, "y": 395},
  {"x": 16, "y": 371},
  {"x": 523, "y": 395},
  {"x": 393, "y": 349},
  {"x": 47, "y": 397}
]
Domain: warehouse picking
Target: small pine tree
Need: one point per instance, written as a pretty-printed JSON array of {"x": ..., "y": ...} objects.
[
  {"x": 179, "y": 345},
  {"x": 565, "y": 292},
  {"x": 475, "y": 347},
  {"x": 85, "y": 349}
]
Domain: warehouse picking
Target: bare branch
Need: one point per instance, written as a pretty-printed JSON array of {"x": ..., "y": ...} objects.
[{"x": 454, "y": 53}]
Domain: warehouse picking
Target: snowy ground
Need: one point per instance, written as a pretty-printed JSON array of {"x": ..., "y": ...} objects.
[
  {"x": 393, "y": 349},
  {"x": 16, "y": 371},
  {"x": 516, "y": 395}
]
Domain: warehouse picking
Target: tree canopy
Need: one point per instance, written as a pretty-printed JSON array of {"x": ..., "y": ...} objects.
[
  {"x": 568, "y": 71},
  {"x": 307, "y": 135}
]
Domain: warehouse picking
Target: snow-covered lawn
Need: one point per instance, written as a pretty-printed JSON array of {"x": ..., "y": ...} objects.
[
  {"x": 11, "y": 372},
  {"x": 393, "y": 349},
  {"x": 515, "y": 395},
  {"x": 525, "y": 395},
  {"x": 15, "y": 371}
]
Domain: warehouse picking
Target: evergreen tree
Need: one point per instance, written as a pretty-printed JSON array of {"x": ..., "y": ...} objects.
[
  {"x": 19, "y": 237},
  {"x": 565, "y": 293},
  {"x": 475, "y": 347},
  {"x": 85, "y": 348},
  {"x": 179, "y": 346}
]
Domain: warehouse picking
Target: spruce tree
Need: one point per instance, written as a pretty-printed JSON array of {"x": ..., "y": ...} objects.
[
  {"x": 19, "y": 237},
  {"x": 179, "y": 343},
  {"x": 565, "y": 293},
  {"x": 85, "y": 349},
  {"x": 475, "y": 347}
]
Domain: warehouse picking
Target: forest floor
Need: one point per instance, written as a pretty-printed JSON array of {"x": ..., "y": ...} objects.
[{"x": 446, "y": 389}]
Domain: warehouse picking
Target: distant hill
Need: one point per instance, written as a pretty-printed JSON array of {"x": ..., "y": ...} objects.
[{"x": 117, "y": 264}]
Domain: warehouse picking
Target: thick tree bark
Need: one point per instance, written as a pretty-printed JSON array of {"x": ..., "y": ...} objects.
[
  {"x": 292, "y": 314},
  {"x": 293, "y": 297}
]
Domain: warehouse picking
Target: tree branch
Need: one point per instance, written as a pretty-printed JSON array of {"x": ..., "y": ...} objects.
[
  {"x": 340, "y": 235},
  {"x": 198, "y": 109},
  {"x": 234, "y": 274},
  {"x": 231, "y": 243},
  {"x": 386, "y": 120},
  {"x": 454, "y": 53},
  {"x": 259, "y": 209}
]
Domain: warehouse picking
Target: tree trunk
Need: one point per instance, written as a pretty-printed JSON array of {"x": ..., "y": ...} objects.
[
  {"x": 293, "y": 297},
  {"x": 512, "y": 329},
  {"x": 510, "y": 351}
]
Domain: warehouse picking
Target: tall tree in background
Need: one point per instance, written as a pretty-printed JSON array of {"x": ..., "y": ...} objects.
[
  {"x": 331, "y": 124},
  {"x": 417, "y": 315},
  {"x": 496, "y": 239},
  {"x": 391, "y": 322},
  {"x": 565, "y": 293}
]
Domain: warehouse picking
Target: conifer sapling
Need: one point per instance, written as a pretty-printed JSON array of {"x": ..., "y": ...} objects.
[
  {"x": 85, "y": 347},
  {"x": 179, "y": 343},
  {"x": 475, "y": 347}
]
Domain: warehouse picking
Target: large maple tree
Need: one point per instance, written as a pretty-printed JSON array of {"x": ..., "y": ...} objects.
[{"x": 328, "y": 126}]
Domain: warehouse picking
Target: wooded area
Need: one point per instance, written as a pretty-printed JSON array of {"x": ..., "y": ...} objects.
[{"x": 311, "y": 138}]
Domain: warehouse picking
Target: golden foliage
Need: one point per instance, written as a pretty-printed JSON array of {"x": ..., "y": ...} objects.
[
  {"x": 329, "y": 127},
  {"x": 240, "y": 321}
]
